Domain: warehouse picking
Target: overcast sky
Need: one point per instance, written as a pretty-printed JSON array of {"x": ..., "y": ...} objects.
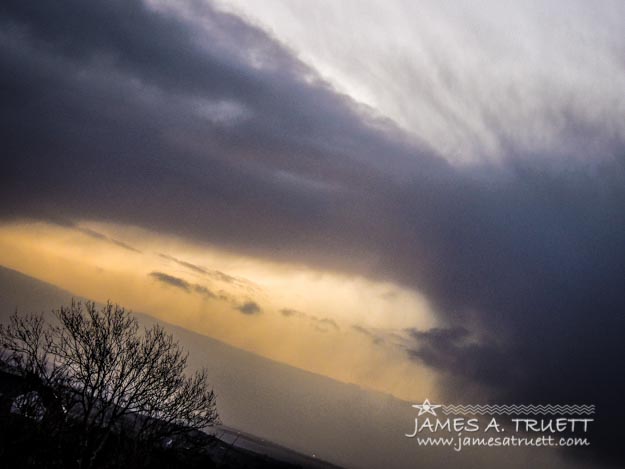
[{"x": 432, "y": 194}]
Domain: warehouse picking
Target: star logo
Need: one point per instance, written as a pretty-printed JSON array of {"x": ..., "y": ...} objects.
[{"x": 426, "y": 408}]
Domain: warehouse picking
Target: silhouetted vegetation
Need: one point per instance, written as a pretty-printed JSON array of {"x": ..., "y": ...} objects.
[{"x": 90, "y": 389}]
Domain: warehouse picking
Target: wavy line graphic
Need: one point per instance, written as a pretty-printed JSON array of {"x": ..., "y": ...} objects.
[{"x": 516, "y": 409}]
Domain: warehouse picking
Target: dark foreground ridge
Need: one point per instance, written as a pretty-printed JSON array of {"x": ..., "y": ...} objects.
[{"x": 26, "y": 441}]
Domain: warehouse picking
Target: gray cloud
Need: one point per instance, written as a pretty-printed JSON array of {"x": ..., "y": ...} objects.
[
  {"x": 92, "y": 233},
  {"x": 117, "y": 112},
  {"x": 102, "y": 237},
  {"x": 290, "y": 312},
  {"x": 320, "y": 324},
  {"x": 213, "y": 274},
  {"x": 202, "y": 290},
  {"x": 171, "y": 280},
  {"x": 183, "y": 284},
  {"x": 324, "y": 324},
  {"x": 375, "y": 338},
  {"x": 250, "y": 307},
  {"x": 246, "y": 307},
  {"x": 193, "y": 267}
]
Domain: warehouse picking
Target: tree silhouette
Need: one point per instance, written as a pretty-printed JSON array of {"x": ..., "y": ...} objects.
[{"x": 99, "y": 374}]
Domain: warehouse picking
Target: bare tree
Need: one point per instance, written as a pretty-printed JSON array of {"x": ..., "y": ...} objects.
[{"x": 97, "y": 370}]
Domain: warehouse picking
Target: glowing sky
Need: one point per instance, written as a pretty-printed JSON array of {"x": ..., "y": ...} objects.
[{"x": 346, "y": 327}]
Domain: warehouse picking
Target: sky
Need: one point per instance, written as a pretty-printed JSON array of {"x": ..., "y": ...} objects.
[{"x": 424, "y": 198}]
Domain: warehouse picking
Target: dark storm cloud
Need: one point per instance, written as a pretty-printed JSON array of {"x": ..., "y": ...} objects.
[
  {"x": 121, "y": 100},
  {"x": 454, "y": 351},
  {"x": 117, "y": 112}
]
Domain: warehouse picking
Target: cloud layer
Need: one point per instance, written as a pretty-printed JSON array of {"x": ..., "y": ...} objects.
[{"x": 476, "y": 79}]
